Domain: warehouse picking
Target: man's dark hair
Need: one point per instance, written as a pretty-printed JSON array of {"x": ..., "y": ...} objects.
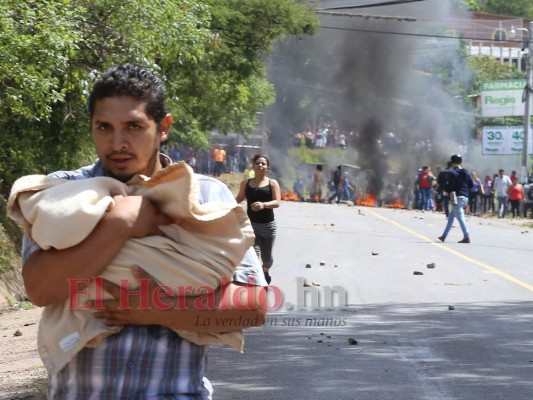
[
  {"x": 134, "y": 81},
  {"x": 456, "y": 159}
]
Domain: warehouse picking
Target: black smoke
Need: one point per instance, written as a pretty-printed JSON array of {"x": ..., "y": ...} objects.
[{"x": 378, "y": 77}]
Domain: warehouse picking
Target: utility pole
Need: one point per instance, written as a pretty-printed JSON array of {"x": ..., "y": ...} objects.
[{"x": 526, "y": 98}]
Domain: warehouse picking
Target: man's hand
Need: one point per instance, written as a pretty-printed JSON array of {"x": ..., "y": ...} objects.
[
  {"x": 138, "y": 215},
  {"x": 142, "y": 308},
  {"x": 131, "y": 216},
  {"x": 157, "y": 305}
]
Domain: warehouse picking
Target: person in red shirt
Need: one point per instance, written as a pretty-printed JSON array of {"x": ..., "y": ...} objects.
[
  {"x": 516, "y": 195},
  {"x": 425, "y": 180}
]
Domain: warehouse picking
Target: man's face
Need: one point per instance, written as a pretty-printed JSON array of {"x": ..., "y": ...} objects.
[
  {"x": 500, "y": 172},
  {"x": 126, "y": 138}
]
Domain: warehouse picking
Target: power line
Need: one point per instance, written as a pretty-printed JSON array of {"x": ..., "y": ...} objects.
[
  {"x": 366, "y": 16},
  {"x": 384, "y": 3},
  {"x": 432, "y": 35}
]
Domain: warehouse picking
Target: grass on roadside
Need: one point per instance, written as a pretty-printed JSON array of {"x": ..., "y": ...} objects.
[
  {"x": 232, "y": 181},
  {"x": 10, "y": 240},
  {"x": 9, "y": 252},
  {"x": 14, "y": 304}
]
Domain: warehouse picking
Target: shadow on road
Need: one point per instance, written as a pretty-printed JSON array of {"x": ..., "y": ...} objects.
[{"x": 403, "y": 351}]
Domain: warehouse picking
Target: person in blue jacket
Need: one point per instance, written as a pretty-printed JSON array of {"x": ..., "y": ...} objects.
[{"x": 462, "y": 183}]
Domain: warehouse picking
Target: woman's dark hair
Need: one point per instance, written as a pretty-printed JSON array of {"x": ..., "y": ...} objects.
[
  {"x": 134, "y": 81},
  {"x": 257, "y": 156}
]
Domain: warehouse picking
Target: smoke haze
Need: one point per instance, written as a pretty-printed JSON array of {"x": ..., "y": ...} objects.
[{"x": 381, "y": 87}]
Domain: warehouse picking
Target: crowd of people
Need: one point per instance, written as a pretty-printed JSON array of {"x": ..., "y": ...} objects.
[
  {"x": 497, "y": 193},
  {"x": 214, "y": 161},
  {"x": 335, "y": 187},
  {"x": 327, "y": 134}
]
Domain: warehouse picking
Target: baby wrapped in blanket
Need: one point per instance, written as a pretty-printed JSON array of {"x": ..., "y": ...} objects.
[{"x": 203, "y": 245}]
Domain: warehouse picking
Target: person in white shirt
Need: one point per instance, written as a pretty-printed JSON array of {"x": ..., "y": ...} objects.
[{"x": 501, "y": 187}]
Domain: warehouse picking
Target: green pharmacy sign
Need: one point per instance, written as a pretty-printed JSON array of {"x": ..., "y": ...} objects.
[{"x": 502, "y": 98}]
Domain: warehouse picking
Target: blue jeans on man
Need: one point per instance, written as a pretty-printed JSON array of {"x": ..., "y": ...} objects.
[
  {"x": 502, "y": 206},
  {"x": 457, "y": 211},
  {"x": 426, "y": 198}
]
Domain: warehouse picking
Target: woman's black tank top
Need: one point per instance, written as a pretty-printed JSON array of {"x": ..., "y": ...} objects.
[{"x": 262, "y": 194}]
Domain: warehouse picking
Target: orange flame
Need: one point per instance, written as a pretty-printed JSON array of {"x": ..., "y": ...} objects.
[
  {"x": 398, "y": 203},
  {"x": 290, "y": 196},
  {"x": 369, "y": 200}
]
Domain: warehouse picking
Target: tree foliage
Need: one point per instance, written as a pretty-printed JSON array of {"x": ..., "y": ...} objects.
[
  {"x": 517, "y": 8},
  {"x": 210, "y": 54},
  {"x": 486, "y": 68},
  {"x": 243, "y": 32},
  {"x": 468, "y": 5}
]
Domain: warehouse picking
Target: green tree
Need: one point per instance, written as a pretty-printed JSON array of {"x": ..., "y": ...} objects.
[
  {"x": 470, "y": 5},
  {"x": 486, "y": 68},
  {"x": 210, "y": 54},
  {"x": 50, "y": 51},
  {"x": 235, "y": 74},
  {"x": 517, "y": 8}
]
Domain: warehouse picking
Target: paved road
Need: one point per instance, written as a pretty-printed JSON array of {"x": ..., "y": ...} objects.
[{"x": 410, "y": 344}]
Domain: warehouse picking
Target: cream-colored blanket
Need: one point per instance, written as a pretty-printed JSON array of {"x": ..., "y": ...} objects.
[{"x": 204, "y": 244}]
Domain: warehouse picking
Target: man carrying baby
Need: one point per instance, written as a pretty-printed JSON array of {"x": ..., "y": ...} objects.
[{"x": 146, "y": 359}]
